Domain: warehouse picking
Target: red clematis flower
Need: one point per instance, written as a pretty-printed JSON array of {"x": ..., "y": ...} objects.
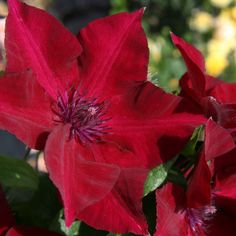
[
  {"x": 8, "y": 226},
  {"x": 207, "y": 208},
  {"x": 87, "y": 102},
  {"x": 212, "y": 97},
  {"x": 187, "y": 212}
]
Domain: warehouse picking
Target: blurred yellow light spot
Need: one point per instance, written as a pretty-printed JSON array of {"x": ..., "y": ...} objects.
[
  {"x": 215, "y": 64},
  {"x": 215, "y": 46},
  {"x": 202, "y": 21},
  {"x": 233, "y": 13},
  {"x": 225, "y": 28},
  {"x": 155, "y": 50},
  {"x": 173, "y": 84},
  {"x": 220, "y": 3}
]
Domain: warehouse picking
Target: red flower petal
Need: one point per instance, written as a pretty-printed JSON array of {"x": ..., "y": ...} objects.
[
  {"x": 199, "y": 189},
  {"x": 81, "y": 182},
  {"x": 226, "y": 199},
  {"x": 25, "y": 109},
  {"x": 6, "y": 218},
  {"x": 218, "y": 140},
  {"x": 170, "y": 219},
  {"x": 225, "y": 92},
  {"x": 225, "y": 182},
  {"x": 23, "y": 231},
  {"x": 121, "y": 210},
  {"x": 110, "y": 63},
  {"x": 223, "y": 224},
  {"x": 194, "y": 62},
  {"x": 187, "y": 89},
  {"x": 36, "y": 40},
  {"x": 146, "y": 128},
  {"x": 225, "y": 161}
]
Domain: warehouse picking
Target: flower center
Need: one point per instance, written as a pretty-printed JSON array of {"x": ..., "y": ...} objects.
[
  {"x": 199, "y": 217},
  {"x": 86, "y": 116}
]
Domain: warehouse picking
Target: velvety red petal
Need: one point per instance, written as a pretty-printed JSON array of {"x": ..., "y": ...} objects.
[
  {"x": 188, "y": 90},
  {"x": 117, "y": 153},
  {"x": 148, "y": 121},
  {"x": 115, "y": 54},
  {"x": 199, "y": 189},
  {"x": 170, "y": 218},
  {"x": 24, "y": 231},
  {"x": 226, "y": 199},
  {"x": 6, "y": 217},
  {"x": 36, "y": 40},
  {"x": 225, "y": 92},
  {"x": 226, "y": 174},
  {"x": 223, "y": 114},
  {"x": 223, "y": 224},
  {"x": 121, "y": 210},
  {"x": 224, "y": 162},
  {"x": 225, "y": 182},
  {"x": 194, "y": 61},
  {"x": 25, "y": 109},
  {"x": 218, "y": 140},
  {"x": 80, "y": 180}
]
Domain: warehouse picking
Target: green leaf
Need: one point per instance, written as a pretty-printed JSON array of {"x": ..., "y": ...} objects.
[
  {"x": 157, "y": 176},
  {"x": 149, "y": 209},
  {"x": 190, "y": 148},
  {"x": 17, "y": 173},
  {"x": 59, "y": 226},
  {"x": 42, "y": 208},
  {"x": 176, "y": 176},
  {"x": 86, "y": 230},
  {"x": 18, "y": 196},
  {"x": 72, "y": 230}
]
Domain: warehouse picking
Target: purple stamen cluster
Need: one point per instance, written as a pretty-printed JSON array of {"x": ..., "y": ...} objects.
[
  {"x": 199, "y": 218},
  {"x": 86, "y": 116}
]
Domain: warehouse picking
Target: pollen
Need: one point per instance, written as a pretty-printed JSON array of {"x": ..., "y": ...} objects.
[{"x": 87, "y": 116}]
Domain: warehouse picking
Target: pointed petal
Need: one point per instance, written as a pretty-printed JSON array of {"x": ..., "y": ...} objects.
[
  {"x": 24, "y": 231},
  {"x": 194, "y": 62},
  {"x": 25, "y": 109},
  {"x": 188, "y": 90},
  {"x": 36, "y": 40},
  {"x": 199, "y": 189},
  {"x": 224, "y": 114},
  {"x": 121, "y": 210},
  {"x": 115, "y": 54},
  {"x": 218, "y": 140},
  {"x": 170, "y": 218},
  {"x": 152, "y": 120},
  {"x": 80, "y": 180},
  {"x": 6, "y": 217}
]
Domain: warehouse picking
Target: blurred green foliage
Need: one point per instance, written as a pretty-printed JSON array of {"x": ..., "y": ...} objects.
[{"x": 198, "y": 22}]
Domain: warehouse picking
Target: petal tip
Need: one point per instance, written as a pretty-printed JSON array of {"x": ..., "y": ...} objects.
[
  {"x": 139, "y": 13},
  {"x": 175, "y": 39},
  {"x": 69, "y": 218}
]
